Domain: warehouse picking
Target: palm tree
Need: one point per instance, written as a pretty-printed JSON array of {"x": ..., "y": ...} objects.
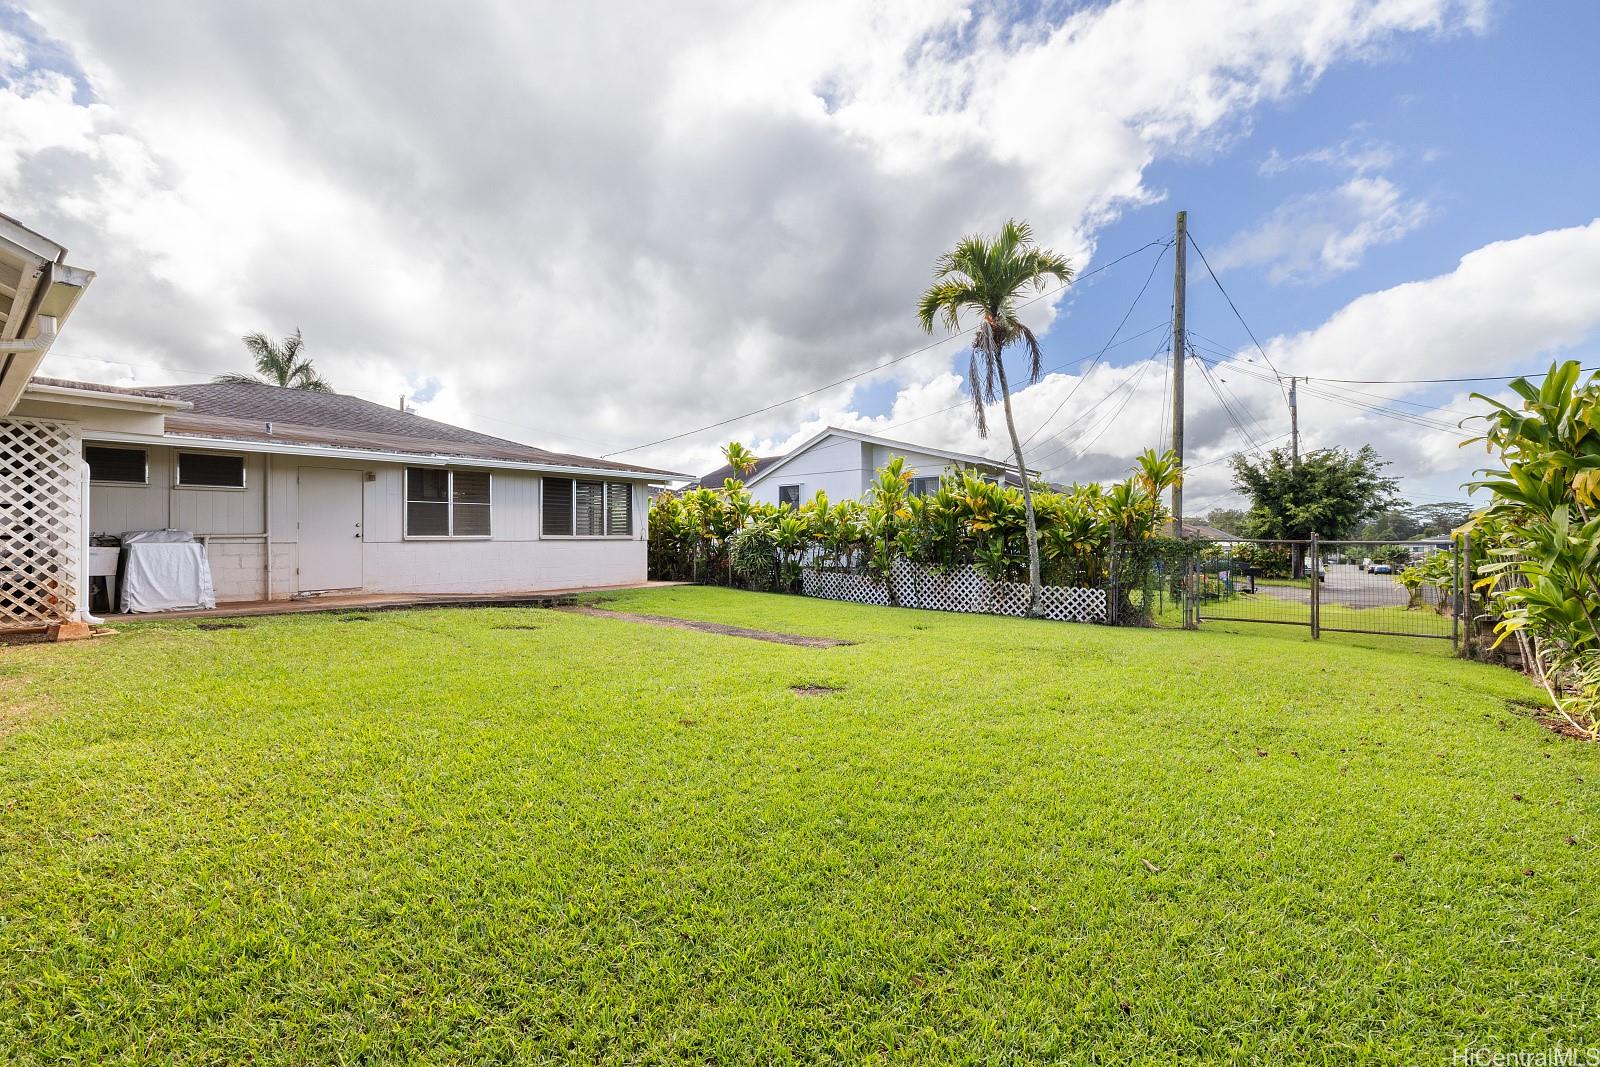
[
  {"x": 984, "y": 277},
  {"x": 278, "y": 363}
]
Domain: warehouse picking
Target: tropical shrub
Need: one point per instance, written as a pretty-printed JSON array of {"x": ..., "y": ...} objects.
[
  {"x": 753, "y": 558},
  {"x": 1433, "y": 570},
  {"x": 1541, "y": 534},
  {"x": 722, "y": 536}
]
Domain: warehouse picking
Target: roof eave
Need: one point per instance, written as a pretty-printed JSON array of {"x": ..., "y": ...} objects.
[
  {"x": 95, "y": 398},
  {"x": 416, "y": 459}
]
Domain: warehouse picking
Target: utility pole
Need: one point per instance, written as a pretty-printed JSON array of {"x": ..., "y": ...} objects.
[
  {"x": 1294, "y": 421},
  {"x": 1179, "y": 346}
]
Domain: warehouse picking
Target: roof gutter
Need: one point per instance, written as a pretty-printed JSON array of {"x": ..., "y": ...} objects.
[
  {"x": 47, "y": 290},
  {"x": 19, "y": 359},
  {"x": 96, "y": 398},
  {"x": 274, "y": 448}
]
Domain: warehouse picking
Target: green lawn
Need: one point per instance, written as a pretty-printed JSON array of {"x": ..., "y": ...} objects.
[{"x": 483, "y": 835}]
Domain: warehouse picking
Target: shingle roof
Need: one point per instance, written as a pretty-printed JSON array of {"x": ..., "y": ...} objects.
[
  {"x": 243, "y": 410},
  {"x": 715, "y": 479}
]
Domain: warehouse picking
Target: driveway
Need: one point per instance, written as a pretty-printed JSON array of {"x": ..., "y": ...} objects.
[{"x": 1346, "y": 585}]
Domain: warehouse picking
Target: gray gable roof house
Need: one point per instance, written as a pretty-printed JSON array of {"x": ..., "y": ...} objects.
[{"x": 291, "y": 494}]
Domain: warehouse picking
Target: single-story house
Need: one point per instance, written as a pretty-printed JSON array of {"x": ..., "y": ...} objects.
[
  {"x": 844, "y": 463},
  {"x": 292, "y": 493}
]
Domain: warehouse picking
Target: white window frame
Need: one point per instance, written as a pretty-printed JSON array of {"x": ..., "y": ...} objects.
[
  {"x": 120, "y": 448},
  {"x": 799, "y": 493},
  {"x": 633, "y": 511},
  {"x": 177, "y": 470},
  {"x": 930, "y": 489},
  {"x": 450, "y": 506}
]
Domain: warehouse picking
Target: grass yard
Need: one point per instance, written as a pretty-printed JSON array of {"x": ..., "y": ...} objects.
[{"x": 481, "y": 835}]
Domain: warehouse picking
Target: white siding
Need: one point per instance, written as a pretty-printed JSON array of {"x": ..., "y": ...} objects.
[
  {"x": 844, "y": 468},
  {"x": 234, "y": 525}
]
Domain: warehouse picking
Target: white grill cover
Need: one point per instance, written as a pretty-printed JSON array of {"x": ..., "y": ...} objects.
[{"x": 165, "y": 576}]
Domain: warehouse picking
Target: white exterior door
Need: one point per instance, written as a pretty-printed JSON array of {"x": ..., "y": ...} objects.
[{"x": 330, "y": 529}]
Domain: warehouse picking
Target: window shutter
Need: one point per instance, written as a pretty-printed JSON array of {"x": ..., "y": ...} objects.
[
  {"x": 206, "y": 470},
  {"x": 126, "y": 465},
  {"x": 557, "y": 520},
  {"x": 619, "y": 509},
  {"x": 591, "y": 509}
]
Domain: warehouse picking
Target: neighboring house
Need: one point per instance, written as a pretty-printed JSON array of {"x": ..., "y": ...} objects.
[
  {"x": 1198, "y": 531},
  {"x": 293, "y": 493},
  {"x": 844, "y": 463}
]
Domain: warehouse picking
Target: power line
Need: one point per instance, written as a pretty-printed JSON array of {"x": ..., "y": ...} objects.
[
  {"x": 1227, "y": 409},
  {"x": 1125, "y": 316},
  {"x": 1064, "y": 443},
  {"x": 1077, "y": 279},
  {"x": 1235, "y": 308},
  {"x": 1224, "y": 387},
  {"x": 1406, "y": 417},
  {"x": 1047, "y": 372},
  {"x": 1438, "y": 381},
  {"x": 1230, "y": 455}
]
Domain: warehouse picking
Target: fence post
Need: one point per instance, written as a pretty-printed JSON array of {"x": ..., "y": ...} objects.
[
  {"x": 1111, "y": 580},
  {"x": 1316, "y": 588},
  {"x": 1462, "y": 638}
]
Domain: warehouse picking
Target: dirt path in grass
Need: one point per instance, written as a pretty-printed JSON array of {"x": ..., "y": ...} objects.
[{"x": 710, "y": 628}]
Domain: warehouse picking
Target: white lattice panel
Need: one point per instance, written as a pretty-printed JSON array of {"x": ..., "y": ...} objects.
[
  {"x": 41, "y": 522},
  {"x": 964, "y": 590}
]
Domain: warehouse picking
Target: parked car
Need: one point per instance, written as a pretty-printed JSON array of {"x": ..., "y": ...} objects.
[{"x": 1381, "y": 568}]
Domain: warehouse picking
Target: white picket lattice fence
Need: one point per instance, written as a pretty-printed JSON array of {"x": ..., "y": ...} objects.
[
  {"x": 964, "y": 589},
  {"x": 41, "y": 522}
]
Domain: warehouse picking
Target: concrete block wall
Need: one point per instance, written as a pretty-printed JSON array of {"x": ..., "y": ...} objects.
[{"x": 237, "y": 568}]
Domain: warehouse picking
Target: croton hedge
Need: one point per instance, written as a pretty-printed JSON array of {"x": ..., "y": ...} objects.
[{"x": 723, "y": 536}]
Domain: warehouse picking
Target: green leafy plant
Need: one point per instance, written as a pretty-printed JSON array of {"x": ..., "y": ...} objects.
[{"x": 1542, "y": 535}]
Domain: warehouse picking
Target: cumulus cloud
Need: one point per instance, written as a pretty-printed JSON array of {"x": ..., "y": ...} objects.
[
  {"x": 1315, "y": 236},
  {"x": 591, "y": 231}
]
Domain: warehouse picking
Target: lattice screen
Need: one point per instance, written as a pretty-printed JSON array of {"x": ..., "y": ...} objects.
[
  {"x": 964, "y": 589},
  {"x": 41, "y": 522}
]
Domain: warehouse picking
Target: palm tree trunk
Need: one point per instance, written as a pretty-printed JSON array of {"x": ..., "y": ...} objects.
[{"x": 1035, "y": 606}]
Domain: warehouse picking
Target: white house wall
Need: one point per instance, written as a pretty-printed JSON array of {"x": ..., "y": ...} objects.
[
  {"x": 844, "y": 468},
  {"x": 235, "y": 526}
]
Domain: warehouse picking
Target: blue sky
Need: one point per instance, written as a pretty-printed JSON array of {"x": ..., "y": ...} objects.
[
  {"x": 590, "y": 233},
  {"x": 1486, "y": 130}
]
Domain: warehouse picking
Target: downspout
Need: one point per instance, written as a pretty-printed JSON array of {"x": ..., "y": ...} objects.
[
  {"x": 83, "y": 551},
  {"x": 266, "y": 524}
]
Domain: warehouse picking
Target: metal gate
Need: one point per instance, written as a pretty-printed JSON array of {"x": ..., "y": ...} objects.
[{"x": 1403, "y": 588}]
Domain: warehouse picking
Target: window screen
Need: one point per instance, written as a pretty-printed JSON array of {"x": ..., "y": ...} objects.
[
  {"x": 427, "y": 502},
  {"x": 210, "y": 471},
  {"x": 557, "y": 520},
  {"x": 126, "y": 465},
  {"x": 469, "y": 503},
  {"x": 789, "y": 496},
  {"x": 924, "y": 486},
  {"x": 442, "y": 503},
  {"x": 619, "y": 509}
]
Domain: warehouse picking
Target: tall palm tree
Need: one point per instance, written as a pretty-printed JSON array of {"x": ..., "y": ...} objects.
[
  {"x": 984, "y": 277},
  {"x": 278, "y": 363}
]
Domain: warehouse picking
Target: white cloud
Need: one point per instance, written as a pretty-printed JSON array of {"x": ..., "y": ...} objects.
[
  {"x": 1312, "y": 237},
  {"x": 1356, "y": 156},
  {"x": 594, "y": 230}
]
